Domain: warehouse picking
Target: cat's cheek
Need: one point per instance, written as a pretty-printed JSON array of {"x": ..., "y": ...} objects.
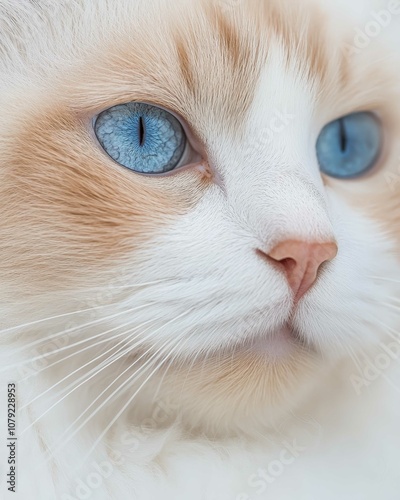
[
  {"x": 377, "y": 198},
  {"x": 70, "y": 207},
  {"x": 384, "y": 204},
  {"x": 389, "y": 215}
]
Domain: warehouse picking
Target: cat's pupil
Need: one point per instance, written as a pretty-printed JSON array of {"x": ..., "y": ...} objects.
[
  {"x": 142, "y": 131},
  {"x": 343, "y": 136}
]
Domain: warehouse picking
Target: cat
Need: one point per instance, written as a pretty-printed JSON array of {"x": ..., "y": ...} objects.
[{"x": 199, "y": 249}]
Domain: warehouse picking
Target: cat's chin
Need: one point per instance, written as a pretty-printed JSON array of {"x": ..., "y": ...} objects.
[{"x": 247, "y": 387}]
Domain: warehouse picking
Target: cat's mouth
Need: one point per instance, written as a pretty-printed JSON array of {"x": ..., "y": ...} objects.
[{"x": 277, "y": 345}]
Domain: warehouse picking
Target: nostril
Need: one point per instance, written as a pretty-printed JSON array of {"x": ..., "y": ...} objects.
[{"x": 289, "y": 264}]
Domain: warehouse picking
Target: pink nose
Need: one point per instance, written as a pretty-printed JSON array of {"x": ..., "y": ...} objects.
[{"x": 301, "y": 262}]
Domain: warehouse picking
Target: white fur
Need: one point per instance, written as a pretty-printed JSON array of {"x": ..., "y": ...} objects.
[{"x": 210, "y": 291}]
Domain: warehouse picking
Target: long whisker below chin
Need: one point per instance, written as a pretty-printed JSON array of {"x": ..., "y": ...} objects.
[
  {"x": 90, "y": 346},
  {"x": 127, "y": 335},
  {"x": 131, "y": 399},
  {"x": 164, "y": 348}
]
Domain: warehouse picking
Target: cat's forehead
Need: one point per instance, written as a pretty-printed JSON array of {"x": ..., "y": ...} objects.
[{"x": 205, "y": 60}]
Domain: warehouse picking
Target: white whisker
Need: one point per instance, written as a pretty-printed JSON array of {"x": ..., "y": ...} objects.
[
  {"x": 62, "y": 444},
  {"x": 79, "y": 327},
  {"x": 134, "y": 285},
  {"x": 72, "y": 313},
  {"x": 128, "y": 334},
  {"x": 390, "y": 280},
  {"x": 50, "y": 318},
  {"x": 125, "y": 349},
  {"x": 392, "y": 306},
  {"x": 121, "y": 411},
  {"x": 83, "y": 341}
]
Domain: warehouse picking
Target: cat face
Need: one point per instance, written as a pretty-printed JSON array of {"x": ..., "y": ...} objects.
[{"x": 244, "y": 265}]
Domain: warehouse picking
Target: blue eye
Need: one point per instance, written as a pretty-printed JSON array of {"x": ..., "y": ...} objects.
[
  {"x": 143, "y": 138},
  {"x": 350, "y": 146}
]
